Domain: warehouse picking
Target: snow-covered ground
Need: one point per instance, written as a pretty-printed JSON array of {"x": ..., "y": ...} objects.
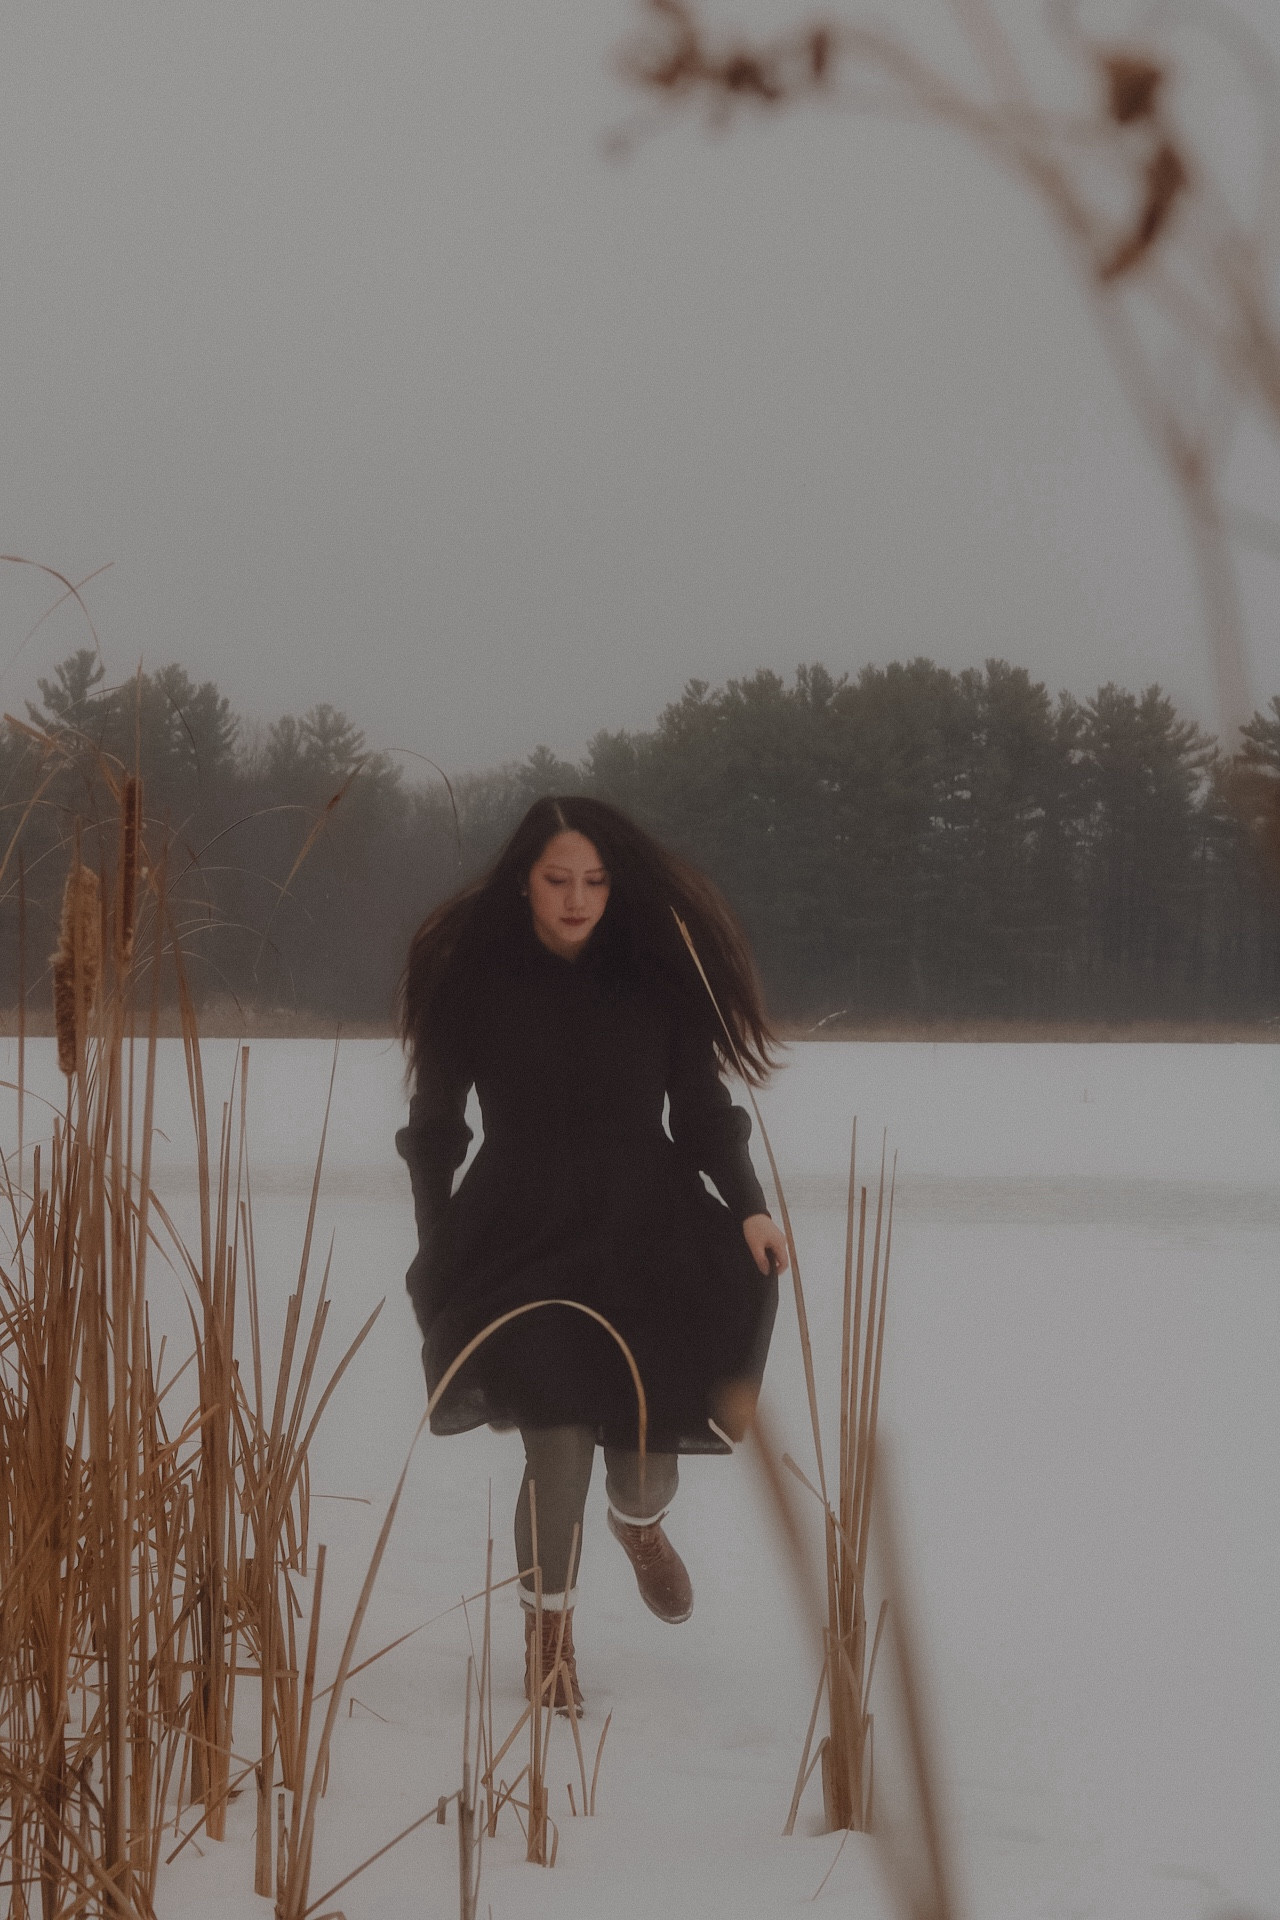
[{"x": 1081, "y": 1386}]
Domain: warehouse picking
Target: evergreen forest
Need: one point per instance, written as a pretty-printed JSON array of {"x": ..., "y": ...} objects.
[{"x": 906, "y": 843}]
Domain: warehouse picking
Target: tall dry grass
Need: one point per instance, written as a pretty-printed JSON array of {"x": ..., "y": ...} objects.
[
  {"x": 860, "y": 1512},
  {"x": 836, "y": 1596},
  {"x": 481, "y": 1758},
  {"x": 154, "y": 1517},
  {"x": 844, "y": 1753}
]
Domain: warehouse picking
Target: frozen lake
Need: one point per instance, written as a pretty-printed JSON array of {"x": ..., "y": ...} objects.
[{"x": 1081, "y": 1364}]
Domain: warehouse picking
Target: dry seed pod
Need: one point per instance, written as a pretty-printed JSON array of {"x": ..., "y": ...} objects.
[
  {"x": 77, "y": 964},
  {"x": 64, "y": 1011},
  {"x": 81, "y": 932},
  {"x": 1133, "y": 82}
]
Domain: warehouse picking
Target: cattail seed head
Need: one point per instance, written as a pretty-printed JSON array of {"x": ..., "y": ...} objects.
[
  {"x": 77, "y": 964},
  {"x": 64, "y": 1011}
]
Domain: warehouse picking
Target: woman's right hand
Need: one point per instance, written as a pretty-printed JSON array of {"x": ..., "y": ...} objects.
[{"x": 764, "y": 1237}]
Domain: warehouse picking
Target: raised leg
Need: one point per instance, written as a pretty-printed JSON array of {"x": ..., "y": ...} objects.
[{"x": 639, "y": 1497}]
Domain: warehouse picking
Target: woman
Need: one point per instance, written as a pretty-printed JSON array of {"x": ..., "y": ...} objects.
[{"x": 560, "y": 987}]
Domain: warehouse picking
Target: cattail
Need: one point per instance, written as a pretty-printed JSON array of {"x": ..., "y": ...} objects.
[
  {"x": 64, "y": 1012},
  {"x": 77, "y": 963},
  {"x": 130, "y": 831}
]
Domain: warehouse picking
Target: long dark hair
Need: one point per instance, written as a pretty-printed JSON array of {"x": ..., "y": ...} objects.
[{"x": 649, "y": 886}]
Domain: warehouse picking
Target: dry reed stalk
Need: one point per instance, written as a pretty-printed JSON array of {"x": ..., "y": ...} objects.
[
  {"x": 251, "y": 1511},
  {"x": 849, "y": 1666},
  {"x": 913, "y": 1843},
  {"x": 595, "y": 1771},
  {"x": 212, "y": 1569},
  {"x": 581, "y": 1760},
  {"x": 312, "y": 1769},
  {"x": 468, "y": 1839},
  {"x": 542, "y": 1838},
  {"x": 486, "y": 1693},
  {"x": 476, "y": 1775},
  {"x": 291, "y": 1859},
  {"x": 536, "y": 1830},
  {"x": 848, "y": 1663},
  {"x": 123, "y": 1571},
  {"x": 541, "y": 1834},
  {"x": 310, "y": 1778},
  {"x": 272, "y": 1457},
  {"x": 85, "y": 1460},
  {"x": 481, "y": 1770},
  {"x": 22, "y": 1014},
  {"x": 130, "y": 846},
  {"x": 42, "y": 1499},
  {"x": 916, "y": 1850}
]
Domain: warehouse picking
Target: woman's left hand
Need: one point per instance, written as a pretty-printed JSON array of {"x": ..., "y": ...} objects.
[{"x": 764, "y": 1237}]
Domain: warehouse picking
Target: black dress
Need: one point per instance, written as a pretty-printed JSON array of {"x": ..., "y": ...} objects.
[{"x": 579, "y": 1192}]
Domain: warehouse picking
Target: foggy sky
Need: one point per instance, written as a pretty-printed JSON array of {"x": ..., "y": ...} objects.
[{"x": 332, "y": 329}]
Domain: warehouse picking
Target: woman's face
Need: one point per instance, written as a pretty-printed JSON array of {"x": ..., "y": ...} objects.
[{"x": 568, "y": 892}]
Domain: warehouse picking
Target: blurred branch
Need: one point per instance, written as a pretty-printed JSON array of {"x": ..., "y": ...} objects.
[{"x": 1181, "y": 265}]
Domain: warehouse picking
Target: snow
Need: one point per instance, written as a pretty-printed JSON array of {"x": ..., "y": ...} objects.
[{"x": 1083, "y": 1332}]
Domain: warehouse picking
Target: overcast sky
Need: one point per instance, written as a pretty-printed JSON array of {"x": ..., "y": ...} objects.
[{"x": 334, "y": 331}]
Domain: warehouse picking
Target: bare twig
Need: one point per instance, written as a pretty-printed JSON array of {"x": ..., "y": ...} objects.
[{"x": 1181, "y": 262}]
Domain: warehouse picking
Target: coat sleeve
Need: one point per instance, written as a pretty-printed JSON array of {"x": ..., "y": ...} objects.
[
  {"x": 709, "y": 1132},
  {"x": 434, "y": 1144}
]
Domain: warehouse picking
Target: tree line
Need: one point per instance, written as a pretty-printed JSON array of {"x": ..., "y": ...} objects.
[{"x": 906, "y": 842}]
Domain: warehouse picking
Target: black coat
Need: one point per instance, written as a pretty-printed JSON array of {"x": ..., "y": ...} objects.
[{"x": 579, "y": 1192}]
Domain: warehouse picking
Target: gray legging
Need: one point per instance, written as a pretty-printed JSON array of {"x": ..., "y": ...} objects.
[{"x": 558, "y": 1460}]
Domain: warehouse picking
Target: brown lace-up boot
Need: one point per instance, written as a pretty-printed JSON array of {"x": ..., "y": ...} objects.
[
  {"x": 661, "y": 1575},
  {"x": 568, "y": 1694}
]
